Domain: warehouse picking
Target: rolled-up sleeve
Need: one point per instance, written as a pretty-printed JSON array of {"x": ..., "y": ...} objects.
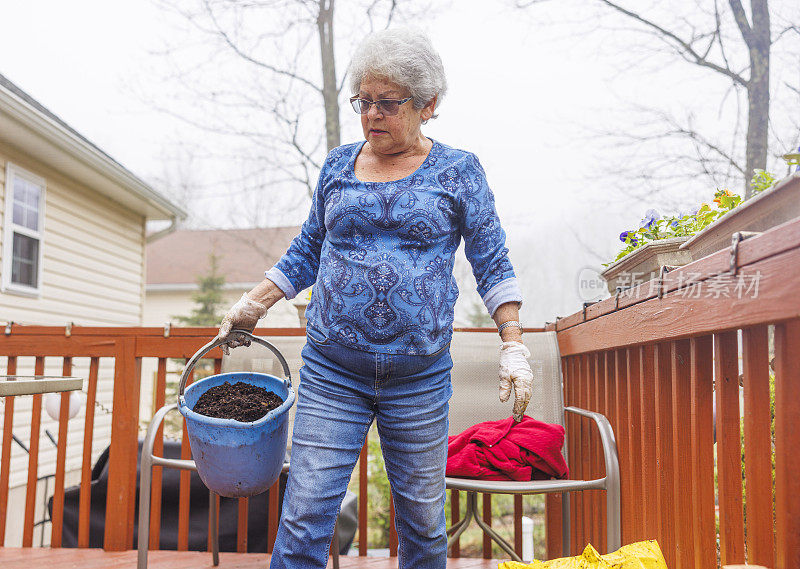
[
  {"x": 484, "y": 238},
  {"x": 297, "y": 268}
]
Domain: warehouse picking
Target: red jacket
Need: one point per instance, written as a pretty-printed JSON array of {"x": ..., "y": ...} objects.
[{"x": 505, "y": 450}]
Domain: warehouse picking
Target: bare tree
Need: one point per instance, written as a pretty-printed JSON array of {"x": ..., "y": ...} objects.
[
  {"x": 731, "y": 42},
  {"x": 260, "y": 78}
]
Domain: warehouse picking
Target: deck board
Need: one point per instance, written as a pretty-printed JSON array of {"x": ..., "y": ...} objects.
[{"x": 68, "y": 558}]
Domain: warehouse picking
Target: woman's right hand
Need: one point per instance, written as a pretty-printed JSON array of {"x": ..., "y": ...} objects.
[{"x": 244, "y": 315}]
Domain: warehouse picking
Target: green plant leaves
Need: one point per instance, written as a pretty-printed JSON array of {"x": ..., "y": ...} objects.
[{"x": 655, "y": 228}]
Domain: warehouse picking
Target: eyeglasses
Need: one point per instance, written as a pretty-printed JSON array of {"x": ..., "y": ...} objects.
[{"x": 388, "y": 107}]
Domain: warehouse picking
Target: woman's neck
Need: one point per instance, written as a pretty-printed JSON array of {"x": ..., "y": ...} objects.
[
  {"x": 373, "y": 167},
  {"x": 420, "y": 147}
]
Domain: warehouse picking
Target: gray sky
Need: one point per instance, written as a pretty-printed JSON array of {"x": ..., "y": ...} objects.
[{"x": 527, "y": 91}]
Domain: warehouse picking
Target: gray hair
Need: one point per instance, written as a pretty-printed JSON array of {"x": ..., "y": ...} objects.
[{"x": 404, "y": 56}]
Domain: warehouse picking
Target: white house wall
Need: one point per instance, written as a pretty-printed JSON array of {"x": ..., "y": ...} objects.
[
  {"x": 92, "y": 274},
  {"x": 92, "y": 271},
  {"x": 163, "y": 306}
]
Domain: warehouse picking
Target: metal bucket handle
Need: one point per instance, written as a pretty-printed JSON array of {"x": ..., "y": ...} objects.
[{"x": 218, "y": 342}]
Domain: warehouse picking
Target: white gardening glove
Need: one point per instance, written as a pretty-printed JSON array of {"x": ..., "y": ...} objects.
[
  {"x": 244, "y": 315},
  {"x": 515, "y": 371}
]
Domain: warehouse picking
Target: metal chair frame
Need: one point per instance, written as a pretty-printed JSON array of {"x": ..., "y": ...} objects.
[
  {"x": 610, "y": 483},
  {"x": 148, "y": 460}
]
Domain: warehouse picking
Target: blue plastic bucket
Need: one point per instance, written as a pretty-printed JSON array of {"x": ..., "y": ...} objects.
[{"x": 235, "y": 458}]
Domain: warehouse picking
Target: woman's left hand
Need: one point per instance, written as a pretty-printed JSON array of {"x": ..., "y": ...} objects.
[{"x": 515, "y": 371}]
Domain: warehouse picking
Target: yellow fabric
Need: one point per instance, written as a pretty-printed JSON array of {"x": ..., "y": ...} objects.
[{"x": 641, "y": 555}]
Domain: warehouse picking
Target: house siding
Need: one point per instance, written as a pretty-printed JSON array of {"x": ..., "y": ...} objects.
[
  {"x": 93, "y": 248},
  {"x": 161, "y": 307},
  {"x": 92, "y": 274}
]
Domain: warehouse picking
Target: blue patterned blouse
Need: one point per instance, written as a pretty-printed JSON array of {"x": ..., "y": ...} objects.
[{"x": 380, "y": 254}]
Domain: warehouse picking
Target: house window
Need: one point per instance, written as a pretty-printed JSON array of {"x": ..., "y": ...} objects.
[{"x": 23, "y": 232}]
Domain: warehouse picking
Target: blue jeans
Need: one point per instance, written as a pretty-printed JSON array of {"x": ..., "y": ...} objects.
[{"x": 341, "y": 391}]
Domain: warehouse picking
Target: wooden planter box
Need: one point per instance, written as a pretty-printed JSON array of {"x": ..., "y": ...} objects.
[
  {"x": 772, "y": 207},
  {"x": 644, "y": 263}
]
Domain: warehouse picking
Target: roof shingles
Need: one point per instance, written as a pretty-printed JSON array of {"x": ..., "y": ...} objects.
[{"x": 242, "y": 254}]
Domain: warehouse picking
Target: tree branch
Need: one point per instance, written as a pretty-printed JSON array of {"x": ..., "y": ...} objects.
[
  {"x": 277, "y": 70},
  {"x": 740, "y": 17},
  {"x": 685, "y": 48},
  {"x": 785, "y": 31}
]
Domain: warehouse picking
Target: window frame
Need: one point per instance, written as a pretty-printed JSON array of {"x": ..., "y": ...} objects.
[{"x": 9, "y": 228}]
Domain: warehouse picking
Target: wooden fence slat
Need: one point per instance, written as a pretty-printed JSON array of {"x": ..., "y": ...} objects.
[
  {"x": 553, "y": 525},
  {"x": 133, "y": 457},
  {"x": 664, "y": 489},
  {"x": 647, "y": 394},
  {"x": 621, "y": 434},
  {"x": 634, "y": 419},
  {"x": 576, "y": 498},
  {"x": 682, "y": 453},
  {"x": 33, "y": 461},
  {"x": 593, "y": 497},
  {"x": 85, "y": 497},
  {"x": 585, "y": 450},
  {"x": 729, "y": 450},
  {"x": 455, "y": 517},
  {"x": 518, "y": 524},
  {"x": 606, "y": 400},
  {"x": 243, "y": 505},
  {"x": 57, "y": 517},
  {"x": 5, "y": 454},
  {"x": 124, "y": 448},
  {"x": 758, "y": 447},
  {"x": 362, "y": 499},
  {"x": 19, "y": 344},
  {"x": 487, "y": 517},
  {"x": 159, "y": 399},
  {"x": 571, "y": 431},
  {"x": 392, "y": 529},
  {"x": 274, "y": 515},
  {"x": 702, "y": 441},
  {"x": 787, "y": 442}
]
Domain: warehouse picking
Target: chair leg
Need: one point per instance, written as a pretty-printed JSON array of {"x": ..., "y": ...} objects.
[
  {"x": 212, "y": 504},
  {"x": 487, "y": 529},
  {"x": 613, "y": 517},
  {"x": 459, "y": 527},
  {"x": 145, "y": 485},
  {"x": 463, "y": 521}
]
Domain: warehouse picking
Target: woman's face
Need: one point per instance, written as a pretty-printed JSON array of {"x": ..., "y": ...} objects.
[{"x": 391, "y": 134}]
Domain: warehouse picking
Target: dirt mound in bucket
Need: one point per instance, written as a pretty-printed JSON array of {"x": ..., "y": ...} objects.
[{"x": 240, "y": 401}]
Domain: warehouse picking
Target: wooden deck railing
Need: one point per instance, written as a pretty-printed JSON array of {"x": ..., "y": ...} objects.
[
  {"x": 665, "y": 361},
  {"x": 662, "y": 362},
  {"x": 126, "y": 349}
]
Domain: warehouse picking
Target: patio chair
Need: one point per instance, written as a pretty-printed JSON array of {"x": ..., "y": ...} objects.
[
  {"x": 475, "y": 399},
  {"x": 238, "y": 360}
]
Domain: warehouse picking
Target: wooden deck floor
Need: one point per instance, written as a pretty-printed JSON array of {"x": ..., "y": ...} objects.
[{"x": 33, "y": 558}]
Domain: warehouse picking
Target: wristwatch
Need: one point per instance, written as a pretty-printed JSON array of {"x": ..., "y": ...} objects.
[{"x": 508, "y": 323}]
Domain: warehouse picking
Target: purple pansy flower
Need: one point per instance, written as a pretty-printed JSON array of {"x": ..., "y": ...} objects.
[
  {"x": 650, "y": 217},
  {"x": 624, "y": 238}
]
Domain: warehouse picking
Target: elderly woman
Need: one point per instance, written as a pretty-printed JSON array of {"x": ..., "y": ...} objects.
[{"x": 387, "y": 216}]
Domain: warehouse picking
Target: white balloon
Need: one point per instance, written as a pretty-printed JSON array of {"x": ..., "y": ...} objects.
[{"x": 52, "y": 404}]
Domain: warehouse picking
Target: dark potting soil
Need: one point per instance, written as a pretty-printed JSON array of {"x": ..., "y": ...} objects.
[{"x": 240, "y": 401}]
